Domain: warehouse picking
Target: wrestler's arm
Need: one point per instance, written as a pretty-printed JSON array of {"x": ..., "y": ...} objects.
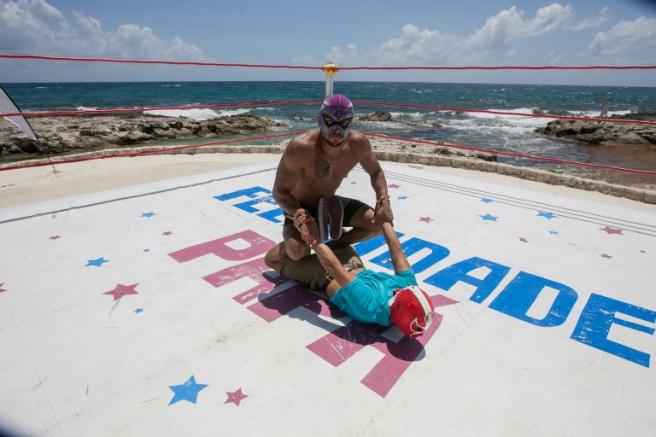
[
  {"x": 331, "y": 264},
  {"x": 369, "y": 162},
  {"x": 288, "y": 173},
  {"x": 399, "y": 259}
]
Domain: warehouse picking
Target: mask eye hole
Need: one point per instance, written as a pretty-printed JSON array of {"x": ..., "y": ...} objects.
[
  {"x": 417, "y": 329},
  {"x": 345, "y": 123},
  {"x": 329, "y": 121}
]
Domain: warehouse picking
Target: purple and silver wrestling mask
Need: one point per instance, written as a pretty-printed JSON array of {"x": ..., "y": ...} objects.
[{"x": 335, "y": 117}]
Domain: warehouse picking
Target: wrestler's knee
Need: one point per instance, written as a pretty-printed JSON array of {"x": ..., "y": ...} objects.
[
  {"x": 275, "y": 257},
  {"x": 270, "y": 259},
  {"x": 363, "y": 219},
  {"x": 296, "y": 250}
]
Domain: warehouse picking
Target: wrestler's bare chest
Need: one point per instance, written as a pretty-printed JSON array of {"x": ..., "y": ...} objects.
[{"x": 322, "y": 175}]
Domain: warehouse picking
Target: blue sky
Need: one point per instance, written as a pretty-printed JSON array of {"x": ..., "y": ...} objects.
[{"x": 382, "y": 32}]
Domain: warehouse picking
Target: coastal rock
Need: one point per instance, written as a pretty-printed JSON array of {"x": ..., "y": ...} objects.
[
  {"x": 64, "y": 134},
  {"x": 600, "y": 133},
  {"x": 377, "y": 116},
  {"x": 126, "y": 138}
]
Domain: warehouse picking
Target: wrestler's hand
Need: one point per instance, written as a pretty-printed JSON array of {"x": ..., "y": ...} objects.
[
  {"x": 307, "y": 227},
  {"x": 299, "y": 217},
  {"x": 307, "y": 236},
  {"x": 383, "y": 212}
]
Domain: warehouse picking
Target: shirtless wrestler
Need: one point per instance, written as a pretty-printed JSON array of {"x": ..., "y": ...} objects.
[{"x": 314, "y": 165}]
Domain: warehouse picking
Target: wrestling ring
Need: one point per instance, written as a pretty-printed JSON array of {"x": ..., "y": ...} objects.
[{"x": 148, "y": 309}]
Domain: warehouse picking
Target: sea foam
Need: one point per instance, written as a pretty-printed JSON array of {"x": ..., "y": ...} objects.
[{"x": 195, "y": 113}]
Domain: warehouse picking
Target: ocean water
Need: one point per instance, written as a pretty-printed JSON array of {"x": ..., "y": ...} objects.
[{"x": 483, "y": 130}]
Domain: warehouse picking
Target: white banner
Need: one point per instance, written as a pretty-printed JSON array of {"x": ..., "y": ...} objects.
[{"x": 8, "y": 106}]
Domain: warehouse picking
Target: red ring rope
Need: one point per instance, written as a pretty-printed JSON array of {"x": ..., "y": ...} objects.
[
  {"x": 388, "y": 137},
  {"x": 512, "y": 67},
  {"x": 519, "y": 114},
  {"x": 153, "y": 61},
  {"x": 308, "y": 67},
  {"x": 438, "y": 108},
  {"x": 515, "y": 154},
  {"x": 108, "y": 111}
]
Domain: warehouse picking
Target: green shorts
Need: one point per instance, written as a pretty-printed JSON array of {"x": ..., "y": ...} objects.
[{"x": 310, "y": 272}]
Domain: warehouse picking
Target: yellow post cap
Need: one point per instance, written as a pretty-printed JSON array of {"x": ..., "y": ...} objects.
[{"x": 330, "y": 69}]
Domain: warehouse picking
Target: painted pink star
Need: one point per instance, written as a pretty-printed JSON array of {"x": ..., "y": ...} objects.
[
  {"x": 167, "y": 233},
  {"x": 426, "y": 219},
  {"x": 2, "y": 289},
  {"x": 121, "y": 290},
  {"x": 235, "y": 397},
  {"x": 611, "y": 231},
  {"x": 605, "y": 255},
  {"x": 54, "y": 237},
  {"x": 523, "y": 240},
  {"x": 393, "y": 186}
]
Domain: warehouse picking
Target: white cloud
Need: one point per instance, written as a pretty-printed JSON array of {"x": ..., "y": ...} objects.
[
  {"x": 510, "y": 24},
  {"x": 492, "y": 41},
  {"x": 505, "y": 38},
  {"x": 35, "y": 26},
  {"x": 339, "y": 55},
  {"x": 591, "y": 22},
  {"x": 417, "y": 45},
  {"x": 625, "y": 37}
]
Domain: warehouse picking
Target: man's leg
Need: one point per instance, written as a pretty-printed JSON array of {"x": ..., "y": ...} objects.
[
  {"x": 295, "y": 247},
  {"x": 360, "y": 216},
  {"x": 276, "y": 257},
  {"x": 309, "y": 270}
]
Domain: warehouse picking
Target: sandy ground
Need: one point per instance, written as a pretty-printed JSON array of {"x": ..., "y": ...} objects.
[
  {"x": 36, "y": 184},
  {"x": 19, "y": 187}
]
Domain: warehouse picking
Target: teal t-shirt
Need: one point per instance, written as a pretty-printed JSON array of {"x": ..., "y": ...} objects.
[{"x": 366, "y": 298}]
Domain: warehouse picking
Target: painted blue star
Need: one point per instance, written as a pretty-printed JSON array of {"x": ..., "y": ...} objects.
[
  {"x": 486, "y": 200},
  {"x": 138, "y": 311},
  {"x": 148, "y": 214},
  {"x": 96, "y": 262},
  {"x": 187, "y": 391},
  {"x": 552, "y": 232},
  {"x": 546, "y": 214},
  {"x": 488, "y": 217}
]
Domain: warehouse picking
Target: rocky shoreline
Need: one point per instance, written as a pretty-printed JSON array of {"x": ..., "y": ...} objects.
[
  {"x": 65, "y": 135},
  {"x": 70, "y": 134},
  {"x": 110, "y": 135},
  {"x": 604, "y": 134}
]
